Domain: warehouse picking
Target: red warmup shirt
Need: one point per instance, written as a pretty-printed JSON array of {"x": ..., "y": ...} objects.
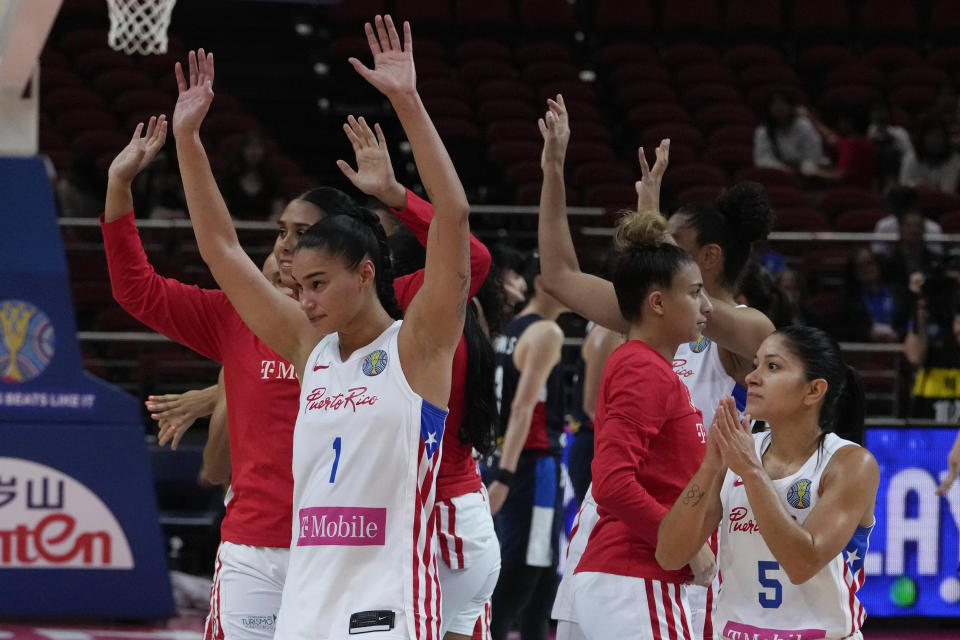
[
  {"x": 263, "y": 394},
  {"x": 458, "y": 472},
  {"x": 650, "y": 441}
]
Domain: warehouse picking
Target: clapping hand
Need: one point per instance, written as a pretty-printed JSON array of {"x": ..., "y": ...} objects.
[
  {"x": 734, "y": 439},
  {"x": 195, "y": 94},
  {"x": 140, "y": 151},
  {"x": 393, "y": 72}
]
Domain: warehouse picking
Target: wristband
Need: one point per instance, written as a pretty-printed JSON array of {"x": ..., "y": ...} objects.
[{"x": 505, "y": 477}]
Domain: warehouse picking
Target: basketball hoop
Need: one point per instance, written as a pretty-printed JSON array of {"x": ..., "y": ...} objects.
[{"x": 139, "y": 26}]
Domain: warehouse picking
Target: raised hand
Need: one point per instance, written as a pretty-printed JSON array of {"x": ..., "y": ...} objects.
[
  {"x": 176, "y": 412},
  {"x": 195, "y": 94},
  {"x": 374, "y": 174},
  {"x": 648, "y": 187},
  {"x": 555, "y": 129},
  {"x": 140, "y": 151},
  {"x": 393, "y": 72},
  {"x": 735, "y": 442}
]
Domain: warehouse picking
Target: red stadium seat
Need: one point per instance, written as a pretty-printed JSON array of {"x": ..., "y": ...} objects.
[
  {"x": 730, "y": 158},
  {"x": 624, "y": 52},
  {"x": 449, "y": 108},
  {"x": 611, "y": 196},
  {"x": 859, "y": 220},
  {"x": 357, "y": 11},
  {"x": 595, "y": 173},
  {"x": 714, "y": 116},
  {"x": 946, "y": 57},
  {"x": 548, "y": 71},
  {"x": 79, "y": 40},
  {"x": 529, "y": 194},
  {"x": 551, "y": 15},
  {"x": 595, "y": 130},
  {"x": 442, "y": 89},
  {"x": 513, "y": 130},
  {"x": 822, "y": 57},
  {"x": 581, "y": 152},
  {"x": 507, "y": 110},
  {"x": 934, "y": 202},
  {"x": 486, "y": 15},
  {"x": 480, "y": 70},
  {"x": 735, "y": 134},
  {"x": 913, "y": 98},
  {"x": 656, "y": 113},
  {"x": 483, "y": 48},
  {"x": 797, "y": 219},
  {"x": 682, "y": 154},
  {"x": 944, "y": 19},
  {"x": 677, "y": 179},
  {"x": 95, "y": 143},
  {"x": 575, "y": 90},
  {"x": 582, "y": 111},
  {"x": 50, "y": 140},
  {"x": 700, "y": 95},
  {"x": 849, "y": 95},
  {"x": 690, "y": 16},
  {"x": 816, "y": 18},
  {"x": 755, "y": 17},
  {"x": 647, "y": 92},
  {"x": 54, "y": 78},
  {"x": 677, "y": 133},
  {"x": 114, "y": 82},
  {"x": 525, "y": 172},
  {"x": 50, "y": 58},
  {"x": 504, "y": 89},
  {"x": 758, "y": 97},
  {"x": 506, "y": 152},
  {"x": 856, "y": 74},
  {"x": 754, "y": 53},
  {"x": 846, "y": 198},
  {"x": 145, "y": 99},
  {"x": 634, "y": 17},
  {"x": 544, "y": 50},
  {"x": 424, "y": 12},
  {"x": 767, "y": 176},
  {"x": 697, "y": 194},
  {"x": 886, "y": 18},
  {"x": 226, "y": 123},
  {"x": 75, "y": 121},
  {"x": 679, "y": 55},
  {"x": 763, "y": 74},
  {"x": 787, "y": 197},
  {"x": 95, "y": 61},
  {"x": 950, "y": 222},
  {"x": 631, "y": 72},
  {"x": 704, "y": 72},
  {"x": 918, "y": 74},
  {"x": 343, "y": 47},
  {"x": 73, "y": 97},
  {"x": 892, "y": 56}
]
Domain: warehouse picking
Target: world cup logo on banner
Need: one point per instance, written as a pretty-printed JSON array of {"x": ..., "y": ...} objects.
[{"x": 28, "y": 341}]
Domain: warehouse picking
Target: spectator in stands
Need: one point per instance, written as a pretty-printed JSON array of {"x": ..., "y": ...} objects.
[
  {"x": 786, "y": 139},
  {"x": 871, "y": 309},
  {"x": 758, "y": 288},
  {"x": 794, "y": 287},
  {"x": 891, "y": 141},
  {"x": 250, "y": 185},
  {"x": 900, "y": 200},
  {"x": 911, "y": 255},
  {"x": 944, "y": 110},
  {"x": 855, "y": 162},
  {"x": 162, "y": 191},
  {"x": 512, "y": 267},
  {"x": 933, "y": 346},
  {"x": 935, "y": 164}
]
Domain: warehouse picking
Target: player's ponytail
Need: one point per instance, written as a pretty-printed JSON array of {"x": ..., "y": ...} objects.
[
  {"x": 353, "y": 236},
  {"x": 843, "y": 405},
  {"x": 480, "y": 418}
]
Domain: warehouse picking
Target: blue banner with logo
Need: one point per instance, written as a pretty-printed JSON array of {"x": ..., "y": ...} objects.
[{"x": 79, "y": 529}]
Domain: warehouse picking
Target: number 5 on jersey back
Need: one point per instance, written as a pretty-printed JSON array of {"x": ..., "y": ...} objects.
[
  {"x": 768, "y": 601},
  {"x": 336, "y": 459}
]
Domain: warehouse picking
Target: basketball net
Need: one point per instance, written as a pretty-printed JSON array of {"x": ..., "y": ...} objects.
[{"x": 139, "y": 26}]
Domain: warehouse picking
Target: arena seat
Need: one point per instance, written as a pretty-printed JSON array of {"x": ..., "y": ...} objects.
[
  {"x": 798, "y": 219},
  {"x": 754, "y": 18},
  {"x": 859, "y": 220},
  {"x": 883, "y": 19},
  {"x": 693, "y": 175},
  {"x": 752, "y": 53},
  {"x": 700, "y": 95},
  {"x": 615, "y": 16},
  {"x": 767, "y": 176},
  {"x": 690, "y": 17}
]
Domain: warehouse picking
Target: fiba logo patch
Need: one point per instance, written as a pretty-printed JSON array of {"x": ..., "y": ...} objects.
[
  {"x": 28, "y": 341},
  {"x": 374, "y": 363},
  {"x": 799, "y": 494},
  {"x": 700, "y": 344}
]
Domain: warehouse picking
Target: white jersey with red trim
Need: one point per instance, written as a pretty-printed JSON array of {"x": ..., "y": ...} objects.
[
  {"x": 757, "y": 599},
  {"x": 365, "y": 453}
]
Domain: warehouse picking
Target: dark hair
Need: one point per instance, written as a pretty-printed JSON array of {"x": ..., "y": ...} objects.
[
  {"x": 843, "y": 406},
  {"x": 330, "y": 201},
  {"x": 762, "y": 292},
  {"x": 643, "y": 260},
  {"x": 901, "y": 200},
  {"x": 490, "y": 297},
  {"x": 924, "y": 128},
  {"x": 354, "y": 236},
  {"x": 481, "y": 418},
  {"x": 740, "y": 217}
]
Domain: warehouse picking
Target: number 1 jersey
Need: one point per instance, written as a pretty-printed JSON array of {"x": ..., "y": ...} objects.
[{"x": 365, "y": 453}]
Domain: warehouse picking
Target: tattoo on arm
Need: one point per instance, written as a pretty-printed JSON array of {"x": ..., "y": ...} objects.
[
  {"x": 464, "y": 289},
  {"x": 692, "y": 497}
]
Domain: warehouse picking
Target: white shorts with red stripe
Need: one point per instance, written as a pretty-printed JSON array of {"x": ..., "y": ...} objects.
[
  {"x": 583, "y": 524},
  {"x": 245, "y": 595},
  {"x": 469, "y": 560},
  {"x": 611, "y": 606}
]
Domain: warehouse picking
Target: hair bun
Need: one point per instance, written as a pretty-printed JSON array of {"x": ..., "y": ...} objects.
[
  {"x": 640, "y": 229},
  {"x": 747, "y": 210}
]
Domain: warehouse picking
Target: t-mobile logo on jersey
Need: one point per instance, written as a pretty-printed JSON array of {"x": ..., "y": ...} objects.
[
  {"x": 701, "y": 433},
  {"x": 354, "y": 526},
  {"x": 276, "y": 370}
]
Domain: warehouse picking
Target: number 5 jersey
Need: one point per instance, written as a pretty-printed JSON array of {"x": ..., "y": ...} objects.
[{"x": 365, "y": 452}]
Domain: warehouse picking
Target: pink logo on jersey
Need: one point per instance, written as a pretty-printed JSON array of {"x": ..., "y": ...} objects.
[
  {"x": 352, "y": 526},
  {"x": 680, "y": 368},
  {"x": 737, "y": 523},
  {"x": 740, "y": 631},
  {"x": 353, "y": 398}
]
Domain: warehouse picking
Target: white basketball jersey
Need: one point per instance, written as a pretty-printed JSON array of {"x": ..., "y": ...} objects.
[
  {"x": 757, "y": 599},
  {"x": 365, "y": 451},
  {"x": 698, "y": 365}
]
